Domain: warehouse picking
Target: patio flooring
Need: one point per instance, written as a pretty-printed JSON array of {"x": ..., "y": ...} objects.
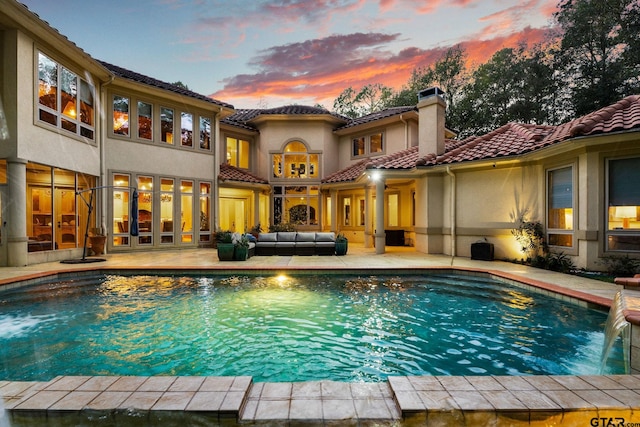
[{"x": 433, "y": 400}]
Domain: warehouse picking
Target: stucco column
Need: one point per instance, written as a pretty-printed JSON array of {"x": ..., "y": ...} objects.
[
  {"x": 256, "y": 208},
  {"x": 368, "y": 211},
  {"x": 379, "y": 234},
  {"x": 334, "y": 211},
  {"x": 17, "y": 249}
]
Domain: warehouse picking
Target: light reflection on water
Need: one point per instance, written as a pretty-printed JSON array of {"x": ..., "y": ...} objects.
[{"x": 294, "y": 328}]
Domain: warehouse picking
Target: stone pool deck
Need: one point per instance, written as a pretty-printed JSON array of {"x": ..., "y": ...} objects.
[{"x": 424, "y": 400}]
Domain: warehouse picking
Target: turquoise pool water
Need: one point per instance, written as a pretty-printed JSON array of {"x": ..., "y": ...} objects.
[{"x": 295, "y": 328}]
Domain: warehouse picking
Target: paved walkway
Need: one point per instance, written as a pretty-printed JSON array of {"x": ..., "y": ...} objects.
[{"x": 538, "y": 400}]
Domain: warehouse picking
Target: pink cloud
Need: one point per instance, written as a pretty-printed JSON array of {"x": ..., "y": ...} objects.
[{"x": 321, "y": 69}]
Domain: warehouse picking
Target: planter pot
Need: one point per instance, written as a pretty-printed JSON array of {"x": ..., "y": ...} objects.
[
  {"x": 97, "y": 244},
  {"x": 342, "y": 247},
  {"x": 241, "y": 253},
  {"x": 225, "y": 251}
]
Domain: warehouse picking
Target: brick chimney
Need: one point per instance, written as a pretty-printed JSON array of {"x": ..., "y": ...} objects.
[{"x": 431, "y": 111}]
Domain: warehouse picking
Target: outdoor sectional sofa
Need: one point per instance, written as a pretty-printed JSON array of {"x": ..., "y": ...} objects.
[{"x": 296, "y": 243}]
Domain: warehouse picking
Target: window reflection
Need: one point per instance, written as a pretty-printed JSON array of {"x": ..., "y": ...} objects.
[
  {"x": 186, "y": 129},
  {"x": 145, "y": 120},
  {"x": 121, "y": 115},
  {"x": 166, "y": 125},
  {"x": 205, "y": 133},
  {"x": 74, "y": 112}
]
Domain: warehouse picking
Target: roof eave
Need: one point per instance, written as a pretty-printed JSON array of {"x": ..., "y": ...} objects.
[{"x": 31, "y": 24}]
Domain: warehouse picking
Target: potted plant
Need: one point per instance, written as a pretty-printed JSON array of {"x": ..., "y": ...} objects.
[
  {"x": 241, "y": 251},
  {"x": 342, "y": 244},
  {"x": 256, "y": 230},
  {"x": 225, "y": 245},
  {"x": 97, "y": 239}
]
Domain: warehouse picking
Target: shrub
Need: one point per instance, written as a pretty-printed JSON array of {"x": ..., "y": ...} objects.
[
  {"x": 621, "y": 266},
  {"x": 530, "y": 236},
  {"x": 283, "y": 226}
]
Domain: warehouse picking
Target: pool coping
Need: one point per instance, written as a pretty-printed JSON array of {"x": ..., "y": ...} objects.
[
  {"x": 466, "y": 400},
  {"x": 411, "y": 399}
]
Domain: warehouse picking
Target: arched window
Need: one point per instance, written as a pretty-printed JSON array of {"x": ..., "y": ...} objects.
[{"x": 295, "y": 162}]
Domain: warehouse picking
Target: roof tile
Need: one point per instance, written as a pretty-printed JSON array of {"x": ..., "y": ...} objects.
[
  {"x": 150, "y": 81},
  {"x": 232, "y": 173}
]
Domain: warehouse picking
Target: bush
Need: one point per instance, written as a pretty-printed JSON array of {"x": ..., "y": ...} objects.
[
  {"x": 621, "y": 266},
  {"x": 284, "y": 226},
  {"x": 555, "y": 262}
]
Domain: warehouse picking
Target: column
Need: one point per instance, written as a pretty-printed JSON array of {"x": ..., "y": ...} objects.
[
  {"x": 379, "y": 234},
  {"x": 256, "y": 208},
  {"x": 334, "y": 211},
  {"x": 368, "y": 223},
  {"x": 17, "y": 248}
]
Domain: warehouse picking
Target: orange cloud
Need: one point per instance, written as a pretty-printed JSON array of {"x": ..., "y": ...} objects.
[{"x": 319, "y": 70}]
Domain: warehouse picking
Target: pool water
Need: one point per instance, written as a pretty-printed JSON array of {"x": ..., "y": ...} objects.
[{"x": 295, "y": 328}]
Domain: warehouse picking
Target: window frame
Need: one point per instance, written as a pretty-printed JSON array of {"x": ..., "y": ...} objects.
[
  {"x": 69, "y": 118},
  {"x": 622, "y": 234},
  {"x": 298, "y": 170},
  {"x": 163, "y": 132},
  {"x": 366, "y": 142},
  {"x": 571, "y": 232},
  {"x": 238, "y": 140}
]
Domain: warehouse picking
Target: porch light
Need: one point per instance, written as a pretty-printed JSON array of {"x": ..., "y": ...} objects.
[{"x": 375, "y": 176}]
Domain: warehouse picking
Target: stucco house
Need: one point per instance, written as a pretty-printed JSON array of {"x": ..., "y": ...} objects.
[{"x": 74, "y": 126}]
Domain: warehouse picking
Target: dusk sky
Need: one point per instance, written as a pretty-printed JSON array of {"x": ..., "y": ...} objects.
[{"x": 268, "y": 53}]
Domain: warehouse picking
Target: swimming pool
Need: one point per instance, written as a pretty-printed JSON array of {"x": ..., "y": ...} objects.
[{"x": 295, "y": 328}]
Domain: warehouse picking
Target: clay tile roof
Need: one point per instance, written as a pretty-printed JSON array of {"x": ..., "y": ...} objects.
[
  {"x": 405, "y": 159},
  {"x": 515, "y": 139},
  {"x": 150, "y": 81},
  {"x": 621, "y": 116},
  {"x": 243, "y": 117},
  {"x": 508, "y": 140},
  {"x": 389, "y": 112},
  {"x": 232, "y": 173}
]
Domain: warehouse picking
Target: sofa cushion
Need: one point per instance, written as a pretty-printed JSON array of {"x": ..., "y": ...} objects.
[
  {"x": 326, "y": 237},
  {"x": 287, "y": 236},
  {"x": 306, "y": 237},
  {"x": 268, "y": 237}
]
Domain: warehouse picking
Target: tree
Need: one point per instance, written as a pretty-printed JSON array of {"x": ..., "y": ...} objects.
[
  {"x": 345, "y": 103},
  {"x": 599, "y": 52},
  {"x": 371, "y": 98},
  {"x": 180, "y": 84},
  {"x": 515, "y": 85}
]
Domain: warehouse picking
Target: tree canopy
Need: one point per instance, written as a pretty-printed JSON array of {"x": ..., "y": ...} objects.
[{"x": 591, "y": 61}]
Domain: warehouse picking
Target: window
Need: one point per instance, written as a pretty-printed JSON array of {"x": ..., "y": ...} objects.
[
  {"x": 120, "y": 207},
  {"x": 55, "y": 215},
  {"x": 166, "y": 125},
  {"x": 186, "y": 207},
  {"x": 296, "y": 205},
  {"x": 623, "y": 204},
  {"x": 295, "y": 162},
  {"x": 166, "y": 211},
  {"x": 64, "y": 99},
  {"x": 186, "y": 129},
  {"x": 367, "y": 145},
  {"x": 145, "y": 120},
  {"x": 238, "y": 152},
  {"x": 205, "y": 211},
  {"x": 145, "y": 210},
  {"x": 346, "y": 217},
  {"x": 205, "y": 133},
  {"x": 121, "y": 115},
  {"x": 393, "y": 216},
  {"x": 560, "y": 207}
]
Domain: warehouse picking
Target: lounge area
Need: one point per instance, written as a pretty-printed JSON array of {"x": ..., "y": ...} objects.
[{"x": 296, "y": 243}]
